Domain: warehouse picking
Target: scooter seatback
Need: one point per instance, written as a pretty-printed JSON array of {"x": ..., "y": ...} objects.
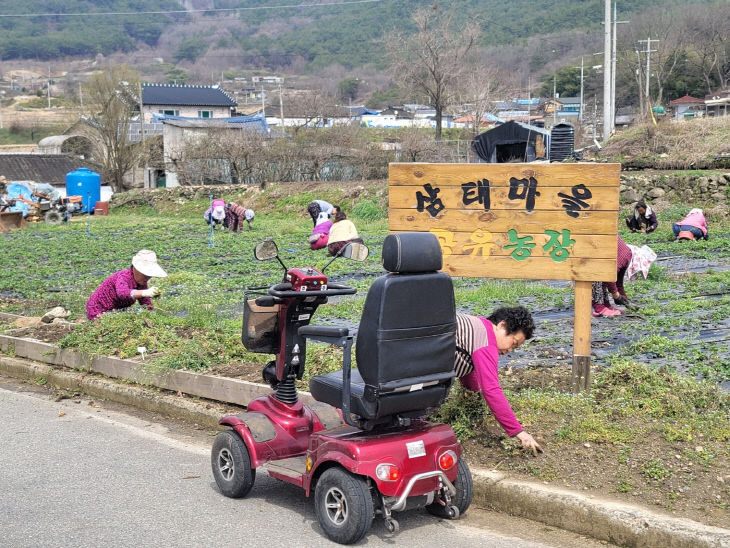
[{"x": 406, "y": 341}]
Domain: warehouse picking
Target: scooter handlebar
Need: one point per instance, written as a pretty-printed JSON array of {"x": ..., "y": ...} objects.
[{"x": 284, "y": 291}]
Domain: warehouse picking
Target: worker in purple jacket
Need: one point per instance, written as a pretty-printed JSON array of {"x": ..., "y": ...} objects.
[{"x": 123, "y": 288}]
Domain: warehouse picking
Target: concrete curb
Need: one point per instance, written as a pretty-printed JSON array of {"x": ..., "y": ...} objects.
[
  {"x": 211, "y": 387},
  {"x": 611, "y": 521},
  {"x": 203, "y": 413},
  {"x": 621, "y": 524}
]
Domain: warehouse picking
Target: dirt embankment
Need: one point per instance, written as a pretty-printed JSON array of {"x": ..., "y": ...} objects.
[{"x": 686, "y": 144}]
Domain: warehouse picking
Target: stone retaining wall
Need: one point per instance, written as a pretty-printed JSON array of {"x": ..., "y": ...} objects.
[{"x": 710, "y": 189}]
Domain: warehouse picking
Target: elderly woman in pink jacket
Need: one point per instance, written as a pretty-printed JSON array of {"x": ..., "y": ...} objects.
[
  {"x": 216, "y": 213},
  {"x": 122, "y": 289},
  {"x": 693, "y": 224},
  {"x": 479, "y": 344},
  {"x": 320, "y": 234}
]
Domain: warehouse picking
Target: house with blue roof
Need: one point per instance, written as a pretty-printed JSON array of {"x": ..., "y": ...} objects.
[{"x": 186, "y": 101}]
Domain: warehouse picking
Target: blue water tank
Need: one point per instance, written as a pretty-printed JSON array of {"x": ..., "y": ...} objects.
[{"x": 85, "y": 183}]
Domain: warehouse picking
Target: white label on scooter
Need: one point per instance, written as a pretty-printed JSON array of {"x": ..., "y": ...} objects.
[
  {"x": 416, "y": 449},
  {"x": 303, "y": 317}
]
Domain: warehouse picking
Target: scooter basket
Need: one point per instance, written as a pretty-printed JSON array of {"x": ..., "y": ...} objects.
[{"x": 260, "y": 330}]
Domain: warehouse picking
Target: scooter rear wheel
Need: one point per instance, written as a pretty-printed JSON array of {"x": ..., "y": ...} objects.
[
  {"x": 464, "y": 491},
  {"x": 344, "y": 505},
  {"x": 231, "y": 465}
]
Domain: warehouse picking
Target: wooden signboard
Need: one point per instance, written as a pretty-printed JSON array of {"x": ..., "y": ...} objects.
[{"x": 532, "y": 221}]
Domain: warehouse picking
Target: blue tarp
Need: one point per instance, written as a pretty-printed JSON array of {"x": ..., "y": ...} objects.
[{"x": 16, "y": 190}]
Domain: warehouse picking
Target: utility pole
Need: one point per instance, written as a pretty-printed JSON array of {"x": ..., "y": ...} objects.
[
  {"x": 141, "y": 128},
  {"x": 48, "y": 88},
  {"x": 263, "y": 102},
  {"x": 281, "y": 107},
  {"x": 638, "y": 73},
  {"x": 580, "y": 114},
  {"x": 555, "y": 97},
  {"x": 81, "y": 95},
  {"x": 648, "y": 52},
  {"x": 613, "y": 69},
  {"x": 607, "y": 71}
]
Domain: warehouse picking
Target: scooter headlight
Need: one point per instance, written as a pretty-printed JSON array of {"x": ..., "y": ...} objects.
[
  {"x": 387, "y": 472},
  {"x": 447, "y": 459}
]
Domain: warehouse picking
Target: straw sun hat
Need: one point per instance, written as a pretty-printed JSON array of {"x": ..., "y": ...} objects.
[{"x": 145, "y": 261}]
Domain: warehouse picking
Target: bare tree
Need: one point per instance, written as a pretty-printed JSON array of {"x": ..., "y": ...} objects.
[
  {"x": 233, "y": 155},
  {"x": 709, "y": 47},
  {"x": 667, "y": 27},
  {"x": 480, "y": 88},
  {"x": 433, "y": 59},
  {"x": 110, "y": 104},
  {"x": 415, "y": 146},
  {"x": 312, "y": 108}
]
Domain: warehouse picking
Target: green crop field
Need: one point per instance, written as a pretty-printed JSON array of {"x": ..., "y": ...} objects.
[{"x": 657, "y": 389}]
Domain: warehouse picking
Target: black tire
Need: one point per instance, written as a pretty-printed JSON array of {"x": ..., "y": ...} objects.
[
  {"x": 231, "y": 465},
  {"x": 53, "y": 217},
  {"x": 464, "y": 492},
  {"x": 349, "y": 522}
]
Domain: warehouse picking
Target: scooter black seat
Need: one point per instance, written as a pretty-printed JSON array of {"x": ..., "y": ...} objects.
[
  {"x": 406, "y": 339},
  {"x": 328, "y": 389}
]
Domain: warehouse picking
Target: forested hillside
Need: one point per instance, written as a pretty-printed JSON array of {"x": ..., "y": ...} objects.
[
  {"x": 49, "y": 37},
  {"x": 348, "y": 34},
  {"x": 271, "y": 32}
]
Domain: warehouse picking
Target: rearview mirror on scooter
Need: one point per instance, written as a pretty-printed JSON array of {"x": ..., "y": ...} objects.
[
  {"x": 266, "y": 250},
  {"x": 356, "y": 251}
]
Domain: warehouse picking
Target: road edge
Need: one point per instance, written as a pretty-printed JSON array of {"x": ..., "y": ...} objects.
[{"x": 622, "y": 524}]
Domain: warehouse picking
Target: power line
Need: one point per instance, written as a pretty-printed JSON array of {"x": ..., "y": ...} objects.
[{"x": 177, "y": 12}]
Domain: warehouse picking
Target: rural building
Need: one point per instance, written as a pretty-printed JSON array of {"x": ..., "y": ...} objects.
[
  {"x": 512, "y": 142},
  {"x": 401, "y": 116},
  {"x": 687, "y": 107},
  {"x": 569, "y": 104},
  {"x": 488, "y": 121},
  {"x": 178, "y": 132},
  {"x": 391, "y": 117},
  {"x": 39, "y": 168},
  {"x": 186, "y": 101},
  {"x": 267, "y": 80},
  {"x": 624, "y": 117},
  {"x": 561, "y": 110},
  {"x": 331, "y": 116},
  {"x": 521, "y": 110},
  {"x": 718, "y": 103}
]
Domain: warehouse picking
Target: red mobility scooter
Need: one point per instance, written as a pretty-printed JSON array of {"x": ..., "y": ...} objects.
[{"x": 363, "y": 448}]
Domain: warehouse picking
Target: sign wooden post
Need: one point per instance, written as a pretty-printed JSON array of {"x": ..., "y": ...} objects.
[{"x": 529, "y": 221}]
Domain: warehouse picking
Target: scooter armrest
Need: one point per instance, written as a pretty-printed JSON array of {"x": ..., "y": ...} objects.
[{"x": 328, "y": 334}]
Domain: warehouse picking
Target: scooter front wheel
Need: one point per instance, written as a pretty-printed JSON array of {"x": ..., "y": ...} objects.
[
  {"x": 460, "y": 502},
  {"x": 231, "y": 465},
  {"x": 344, "y": 505}
]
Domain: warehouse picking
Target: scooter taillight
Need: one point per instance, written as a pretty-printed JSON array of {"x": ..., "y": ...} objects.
[
  {"x": 447, "y": 459},
  {"x": 387, "y": 472}
]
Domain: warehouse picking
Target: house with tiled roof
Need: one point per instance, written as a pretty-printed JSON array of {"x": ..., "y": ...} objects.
[
  {"x": 186, "y": 101},
  {"x": 687, "y": 107}
]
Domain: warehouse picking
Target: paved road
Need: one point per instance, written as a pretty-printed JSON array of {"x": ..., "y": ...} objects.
[{"x": 76, "y": 473}]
